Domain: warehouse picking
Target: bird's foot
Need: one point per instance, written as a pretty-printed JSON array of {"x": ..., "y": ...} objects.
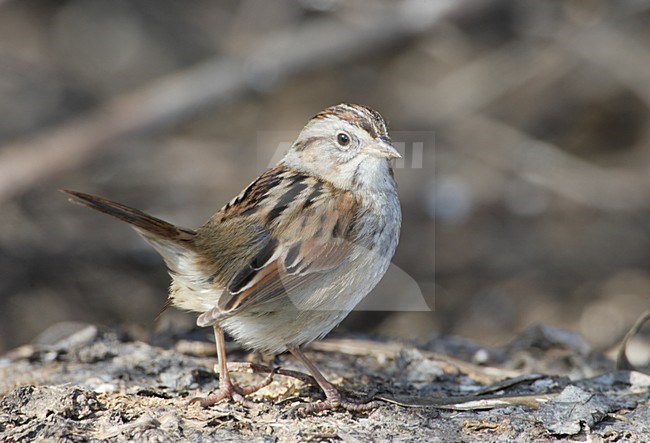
[
  {"x": 335, "y": 400},
  {"x": 232, "y": 391}
]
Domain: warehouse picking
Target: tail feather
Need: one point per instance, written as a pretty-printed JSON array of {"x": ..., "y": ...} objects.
[{"x": 172, "y": 242}]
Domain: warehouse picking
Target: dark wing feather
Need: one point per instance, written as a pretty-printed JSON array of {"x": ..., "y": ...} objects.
[
  {"x": 300, "y": 244},
  {"x": 279, "y": 279}
]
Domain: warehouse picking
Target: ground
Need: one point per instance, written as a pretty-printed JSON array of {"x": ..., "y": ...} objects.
[{"x": 94, "y": 384}]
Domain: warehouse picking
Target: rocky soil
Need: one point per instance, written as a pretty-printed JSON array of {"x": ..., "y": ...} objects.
[{"x": 91, "y": 384}]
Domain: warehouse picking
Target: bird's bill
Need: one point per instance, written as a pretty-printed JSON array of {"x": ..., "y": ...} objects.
[{"x": 383, "y": 149}]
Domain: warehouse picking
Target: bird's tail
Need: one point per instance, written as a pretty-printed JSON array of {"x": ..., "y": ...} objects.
[{"x": 174, "y": 243}]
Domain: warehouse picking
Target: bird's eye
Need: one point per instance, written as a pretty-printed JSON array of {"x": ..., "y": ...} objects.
[{"x": 343, "y": 139}]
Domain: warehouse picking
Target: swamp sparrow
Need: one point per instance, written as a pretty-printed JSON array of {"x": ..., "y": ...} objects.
[{"x": 286, "y": 260}]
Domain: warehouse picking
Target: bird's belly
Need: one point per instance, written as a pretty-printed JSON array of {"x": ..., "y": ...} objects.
[
  {"x": 273, "y": 332},
  {"x": 307, "y": 315}
]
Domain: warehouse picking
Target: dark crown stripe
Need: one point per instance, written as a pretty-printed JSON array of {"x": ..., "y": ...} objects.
[{"x": 363, "y": 117}]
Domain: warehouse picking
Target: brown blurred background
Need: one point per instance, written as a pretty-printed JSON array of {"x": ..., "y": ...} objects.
[{"x": 530, "y": 203}]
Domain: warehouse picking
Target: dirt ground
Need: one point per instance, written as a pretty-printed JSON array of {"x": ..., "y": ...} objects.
[{"x": 97, "y": 385}]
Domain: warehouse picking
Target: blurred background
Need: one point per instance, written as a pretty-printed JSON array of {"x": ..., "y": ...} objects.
[{"x": 525, "y": 185}]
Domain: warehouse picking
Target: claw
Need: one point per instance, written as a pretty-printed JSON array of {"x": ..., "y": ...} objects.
[
  {"x": 335, "y": 400},
  {"x": 230, "y": 390},
  {"x": 256, "y": 387}
]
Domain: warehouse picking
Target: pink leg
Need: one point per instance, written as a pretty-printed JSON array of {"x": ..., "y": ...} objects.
[
  {"x": 227, "y": 388},
  {"x": 334, "y": 399}
]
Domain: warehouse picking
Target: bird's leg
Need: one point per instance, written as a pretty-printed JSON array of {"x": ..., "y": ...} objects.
[
  {"x": 333, "y": 398},
  {"x": 227, "y": 388},
  {"x": 256, "y": 368}
]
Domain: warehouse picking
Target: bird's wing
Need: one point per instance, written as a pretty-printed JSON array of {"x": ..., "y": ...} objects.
[{"x": 297, "y": 228}]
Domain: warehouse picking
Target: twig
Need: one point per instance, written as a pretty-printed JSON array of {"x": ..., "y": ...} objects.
[
  {"x": 505, "y": 148},
  {"x": 474, "y": 85},
  {"x": 450, "y": 365},
  {"x": 469, "y": 402},
  {"x": 621, "y": 358},
  {"x": 610, "y": 49}
]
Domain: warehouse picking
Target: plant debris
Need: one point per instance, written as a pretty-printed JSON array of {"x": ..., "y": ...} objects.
[{"x": 103, "y": 386}]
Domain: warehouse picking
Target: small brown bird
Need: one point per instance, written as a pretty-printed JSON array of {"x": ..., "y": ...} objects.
[{"x": 286, "y": 260}]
